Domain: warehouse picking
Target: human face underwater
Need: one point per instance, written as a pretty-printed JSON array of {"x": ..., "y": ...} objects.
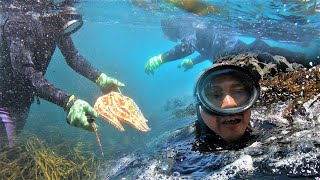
[
  {"x": 225, "y": 95},
  {"x": 229, "y": 127}
]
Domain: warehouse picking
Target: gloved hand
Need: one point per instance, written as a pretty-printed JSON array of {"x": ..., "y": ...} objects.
[
  {"x": 186, "y": 64},
  {"x": 152, "y": 64},
  {"x": 77, "y": 113},
  {"x": 108, "y": 84}
]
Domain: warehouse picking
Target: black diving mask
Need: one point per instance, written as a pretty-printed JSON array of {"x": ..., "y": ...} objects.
[
  {"x": 226, "y": 90},
  {"x": 71, "y": 21}
]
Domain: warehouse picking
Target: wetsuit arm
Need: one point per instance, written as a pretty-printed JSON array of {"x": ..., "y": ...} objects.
[
  {"x": 179, "y": 51},
  {"x": 24, "y": 69},
  {"x": 76, "y": 61}
]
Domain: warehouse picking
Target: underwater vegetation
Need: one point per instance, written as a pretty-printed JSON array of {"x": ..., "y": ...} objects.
[
  {"x": 33, "y": 159},
  {"x": 188, "y": 111},
  {"x": 173, "y": 103},
  {"x": 298, "y": 87},
  {"x": 262, "y": 65},
  {"x": 182, "y": 106}
]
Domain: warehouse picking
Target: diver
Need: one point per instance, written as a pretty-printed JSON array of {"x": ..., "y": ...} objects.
[
  {"x": 194, "y": 36},
  {"x": 30, "y": 32},
  {"x": 224, "y": 95}
]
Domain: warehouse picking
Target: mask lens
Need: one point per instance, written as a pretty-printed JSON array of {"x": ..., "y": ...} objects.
[
  {"x": 226, "y": 88},
  {"x": 227, "y": 91},
  {"x": 73, "y": 23}
]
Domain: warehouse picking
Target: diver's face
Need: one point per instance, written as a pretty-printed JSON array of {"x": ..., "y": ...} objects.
[{"x": 229, "y": 92}]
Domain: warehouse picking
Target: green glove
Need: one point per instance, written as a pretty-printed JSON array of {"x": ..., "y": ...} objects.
[
  {"x": 186, "y": 64},
  {"x": 77, "y": 113},
  {"x": 152, "y": 64},
  {"x": 108, "y": 84}
]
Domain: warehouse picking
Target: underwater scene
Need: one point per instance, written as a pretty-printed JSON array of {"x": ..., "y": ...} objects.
[{"x": 135, "y": 89}]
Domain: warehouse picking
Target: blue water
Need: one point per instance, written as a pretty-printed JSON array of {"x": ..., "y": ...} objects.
[{"x": 118, "y": 38}]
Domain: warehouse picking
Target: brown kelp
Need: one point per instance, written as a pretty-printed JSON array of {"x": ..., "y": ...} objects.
[
  {"x": 33, "y": 159},
  {"x": 298, "y": 86}
]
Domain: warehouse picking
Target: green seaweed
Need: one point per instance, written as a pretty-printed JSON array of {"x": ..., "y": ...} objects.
[{"x": 33, "y": 159}]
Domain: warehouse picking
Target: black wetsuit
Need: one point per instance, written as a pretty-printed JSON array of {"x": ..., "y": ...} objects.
[
  {"x": 27, "y": 46},
  {"x": 211, "y": 45}
]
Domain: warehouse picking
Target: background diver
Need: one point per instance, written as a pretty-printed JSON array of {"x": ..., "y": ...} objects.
[
  {"x": 194, "y": 36},
  {"x": 30, "y": 33}
]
